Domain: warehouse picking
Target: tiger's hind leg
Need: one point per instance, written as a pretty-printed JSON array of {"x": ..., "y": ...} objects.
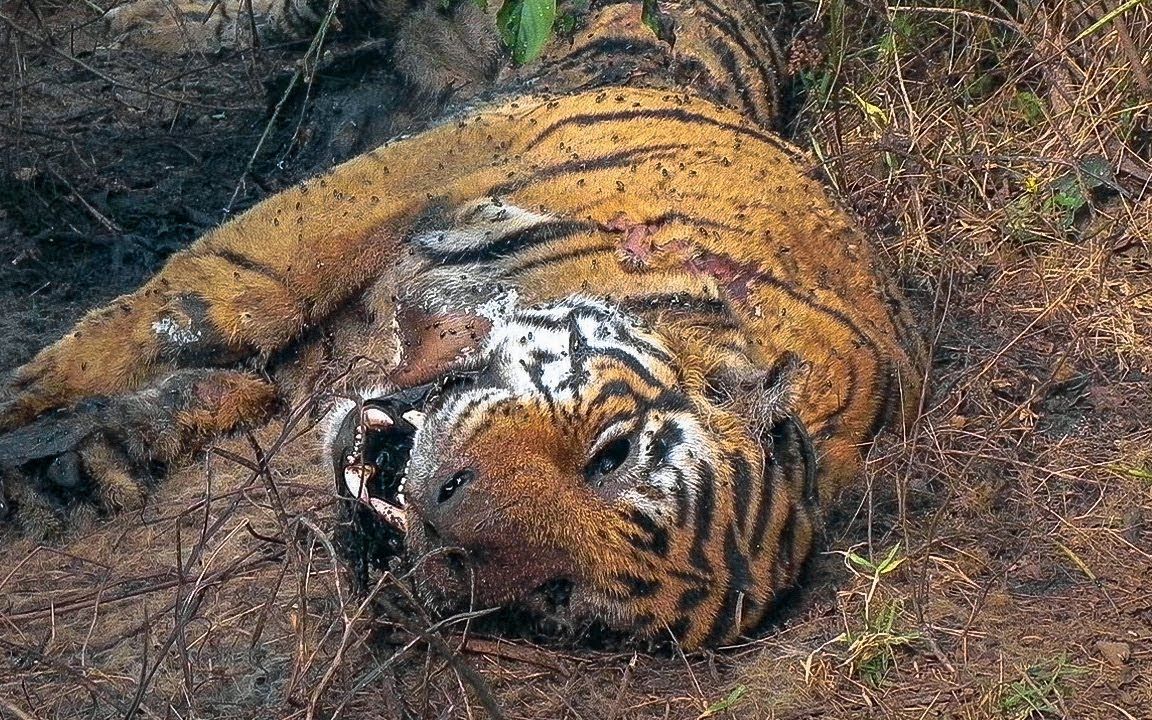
[
  {"x": 105, "y": 454},
  {"x": 177, "y": 27},
  {"x": 436, "y": 48}
]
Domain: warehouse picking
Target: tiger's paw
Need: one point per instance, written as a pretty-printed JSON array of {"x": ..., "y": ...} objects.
[{"x": 104, "y": 455}]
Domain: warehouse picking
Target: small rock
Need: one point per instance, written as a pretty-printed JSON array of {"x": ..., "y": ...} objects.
[{"x": 1114, "y": 653}]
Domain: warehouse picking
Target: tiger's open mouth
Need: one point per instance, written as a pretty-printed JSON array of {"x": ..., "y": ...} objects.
[{"x": 370, "y": 452}]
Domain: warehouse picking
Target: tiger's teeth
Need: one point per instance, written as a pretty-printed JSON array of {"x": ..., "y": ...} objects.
[
  {"x": 375, "y": 418},
  {"x": 394, "y": 516},
  {"x": 354, "y": 480},
  {"x": 415, "y": 417}
]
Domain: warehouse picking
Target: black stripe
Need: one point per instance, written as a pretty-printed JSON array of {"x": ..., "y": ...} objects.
[
  {"x": 510, "y": 244},
  {"x": 745, "y": 491},
  {"x": 616, "y": 417},
  {"x": 657, "y": 353},
  {"x": 639, "y": 587},
  {"x": 599, "y": 316},
  {"x": 885, "y": 380},
  {"x": 705, "y": 510},
  {"x": 741, "y": 85},
  {"x": 695, "y": 221},
  {"x": 693, "y": 598},
  {"x": 680, "y": 627},
  {"x": 738, "y": 571},
  {"x": 663, "y": 440},
  {"x": 610, "y": 389},
  {"x": 671, "y": 400},
  {"x": 654, "y": 537},
  {"x": 624, "y": 48},
  {"x": 619, "y": 159},
  {"x": 536, "y": 375},
  {"x": 863, "y": 340},
  {"x": 738, "y": 579},
  {"x": 676, "y": 114},
  {"x": 565, "y": 256},
  {"x": 903, "y": 322},
  {"x": 807, "y": 455},
  {"x": 737, "y": 35},
  {"x": 244, "y": 263},
  {"x": 769, "y": 482},
  {"x": 785, "y": 549},
  {"x": 680, "y": 302},
  {"x": 483, "y": 402},
  {"x": 631, "y": 362}
]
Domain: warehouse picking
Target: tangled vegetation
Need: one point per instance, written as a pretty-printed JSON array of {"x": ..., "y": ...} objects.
[{"x": 994, "y": 562}]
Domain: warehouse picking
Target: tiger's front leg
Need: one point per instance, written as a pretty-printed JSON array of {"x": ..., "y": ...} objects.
[
  {"x": 204, "y": 309},
  {"x": 137, "y": 386},
  {"x": 105, "y": 453},
  {"x": 253, "y": 286}
]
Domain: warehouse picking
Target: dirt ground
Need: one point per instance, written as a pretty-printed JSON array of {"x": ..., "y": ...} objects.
[{"x": 994, "y": 563}]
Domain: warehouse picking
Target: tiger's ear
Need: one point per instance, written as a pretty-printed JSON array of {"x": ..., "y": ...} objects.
[{"x": 763, "y": 395}]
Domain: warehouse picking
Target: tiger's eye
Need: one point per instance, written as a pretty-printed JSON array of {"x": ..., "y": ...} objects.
[
  {"x": 454, "y": 483},
  {"x": 608, "y": 459}
]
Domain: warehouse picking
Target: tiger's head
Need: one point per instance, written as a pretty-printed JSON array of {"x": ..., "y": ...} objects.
[{"x": 582, "y": 469}]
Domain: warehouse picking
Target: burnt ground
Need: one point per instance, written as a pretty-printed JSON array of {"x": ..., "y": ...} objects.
[{"x": 993, "y": 563}]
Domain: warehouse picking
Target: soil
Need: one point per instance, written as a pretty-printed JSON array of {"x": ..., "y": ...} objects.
[{"x": 993, "y": 563}]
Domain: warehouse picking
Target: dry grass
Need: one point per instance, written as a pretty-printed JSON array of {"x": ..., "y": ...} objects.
[
  {"x": 1004, "y": 156},
  {"x": 993, "y": 564}
]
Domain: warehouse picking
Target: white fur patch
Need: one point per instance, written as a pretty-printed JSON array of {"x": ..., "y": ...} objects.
[
  {"x": 480, "y": 224},
  {"x": 174, "y": 332},
  {"x": 681, "y": 467},
  {"x": 532, "y": 349}
]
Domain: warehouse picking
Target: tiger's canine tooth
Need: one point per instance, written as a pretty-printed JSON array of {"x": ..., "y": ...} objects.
[
  {"x": 356, "y": 478},
  {"x": 354, "y": 481},
  {"x": 415, "y": 417},
  {"x": 375, "y": 418},
  {"x": 393, "y": 515}
]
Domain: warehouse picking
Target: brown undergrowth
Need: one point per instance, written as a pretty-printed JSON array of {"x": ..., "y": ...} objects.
[{"x": 992, "y": 564}]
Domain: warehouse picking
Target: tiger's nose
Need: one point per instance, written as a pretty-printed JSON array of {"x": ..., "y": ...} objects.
[{"x": 453, "y": 484}]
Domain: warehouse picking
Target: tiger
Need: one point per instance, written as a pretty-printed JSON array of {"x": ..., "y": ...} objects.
[{"x": 624, "y": 348}]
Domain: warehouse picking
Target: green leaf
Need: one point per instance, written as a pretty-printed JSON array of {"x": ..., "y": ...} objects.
[
  {"x": 1107, "y": 18},
  {"x": 1030, "y": 106},
  {"x": 891, "y": 561},
  {"x": 875, "y": 113},
  {"x": 1136, "y": 472},
  {"x": 525, "y": 25},
  {"x": 860, "y": 562},
  {"x": 660, "y": 24},
  {"x": 726, "y": 704}
]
